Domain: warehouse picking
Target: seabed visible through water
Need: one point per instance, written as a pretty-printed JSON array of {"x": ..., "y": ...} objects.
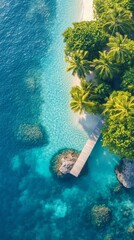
[{"x": 35, "y": 89}]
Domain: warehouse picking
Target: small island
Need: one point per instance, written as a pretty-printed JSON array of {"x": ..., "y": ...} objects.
[{"x": 62, "y": 163}]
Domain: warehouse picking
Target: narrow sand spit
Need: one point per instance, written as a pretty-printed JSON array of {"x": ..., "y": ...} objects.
[{"x": 84, "y": 120}]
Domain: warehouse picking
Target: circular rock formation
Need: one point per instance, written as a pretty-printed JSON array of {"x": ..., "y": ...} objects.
[
  {"x": 125, "y": 173},
  {"x": 100, "y": 216},
  {"x": 30, "y": 135},
  {"x": 62, "y": 163}
]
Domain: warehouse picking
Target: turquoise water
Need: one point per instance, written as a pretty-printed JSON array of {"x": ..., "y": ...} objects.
[{"x": 34, "y": 205}]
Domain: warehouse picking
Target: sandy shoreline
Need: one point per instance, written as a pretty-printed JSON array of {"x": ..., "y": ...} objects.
[
  {"x": 87, "y": 10},
  {"x": 85, "y": 121},
  {"x": 86, "y": 15}
]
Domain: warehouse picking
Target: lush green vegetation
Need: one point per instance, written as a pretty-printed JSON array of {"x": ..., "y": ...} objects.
[
  {"x": 128, "y": 81},
  {"x": 78, "y": 63},
  {"x": 86, "y": 36},
  {"x": 118, "y": 132},
  {"x": 106, "y": 47}
]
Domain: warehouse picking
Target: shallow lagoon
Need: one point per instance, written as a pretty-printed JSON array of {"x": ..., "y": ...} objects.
[{"x": 34, "y": 205}]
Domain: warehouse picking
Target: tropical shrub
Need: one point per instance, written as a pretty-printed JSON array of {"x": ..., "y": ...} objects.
[
  {"x": 128, "y": 81},
  {"x": 118, "y": 132},
  {"x": 119, "y": 137},
  {"x": 120, "y": 106},
  {"x": 102, "y": 6},
  {"x": 102, "y": 92},
  {"x": 86, "y": 36}
]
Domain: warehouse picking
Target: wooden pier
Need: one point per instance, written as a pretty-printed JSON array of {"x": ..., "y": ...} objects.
[{"x": 84, "y": 155}]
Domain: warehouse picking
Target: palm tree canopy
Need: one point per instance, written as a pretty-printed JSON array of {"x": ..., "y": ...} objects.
[
  {"x": 120, "y": 106},
  {"x": 104, "y": 67},
  {"x": 121, "y": 48},
  {"x": 119, "y": 20},
  {"x": 78, "y": 63},
  {"x": 78, "y": 99}
]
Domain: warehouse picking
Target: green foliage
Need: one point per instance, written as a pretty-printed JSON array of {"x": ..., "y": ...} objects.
[
  {"x": 128, "y": 81},
  {"x": 102, "y": 92},
  {"x": 121, "y": 48},
  {"x": 104, "y": 67},
  {"x": 88, "y": 87},
  {"x": 78, "y": 63},
  {"x": 119, "y": 137},
  {"x": 130, "y": 5},
  {"x": 89, "y": 98},
  {"x": 86, "y": 36},
  {"x": 102, "y": 6},
  {"x": 120, "y": 106},
  {"x": 118, "y": 132},
  {"x": 80, "y": 96},
  {"x": 118, "y": 19}
]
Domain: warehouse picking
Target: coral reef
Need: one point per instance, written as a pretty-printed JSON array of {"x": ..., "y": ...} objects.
[
  {"x": 30, "y": 84},
  {"x": 100, "y": 215},
  {"x": 108, "y": 237},
  {"x": 62, "y": 163},
  {"x": 125, "y": 173},
  {"x": 117, "y": 188},
  {"x": 130, "y": 233},
  {"x": 30, "y": 135}
]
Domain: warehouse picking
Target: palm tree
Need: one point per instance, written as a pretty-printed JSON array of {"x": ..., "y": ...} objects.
[
  {"x": 78, "y": 100},
  {"x": 78, "y": 63},
  {"x": 82, "y": 98},
  {"x": 88, "y": 87},
  {"x": 118, "y": 19},
  {"x": 104, "y": 67},
  {"x": 120, "y": 106},
  {"x": 120, "y": 48}
]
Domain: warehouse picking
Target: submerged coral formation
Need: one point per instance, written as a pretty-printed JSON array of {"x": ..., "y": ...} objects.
[
  {"x": 100, "y": 216},
  {"x": 30, "y": 84},
  {"x": 62, "y": 163},
  {"x": 30, "y": 135},
  {"x": 130, "y": 232}
]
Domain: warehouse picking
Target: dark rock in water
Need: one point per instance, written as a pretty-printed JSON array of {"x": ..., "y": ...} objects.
[
  {"x": 125, "y": 173},
  {"x": 30, "y": 135},
  {"x": 62, "y": 163},
  {"x": 100, "y": 215}
]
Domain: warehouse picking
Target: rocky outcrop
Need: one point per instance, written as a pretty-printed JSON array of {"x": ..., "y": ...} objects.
[
  {"x": 100, "y": 215},
  {"x": 125, "y": 173},
  {"x": 62, "y": 163},
  {"x": 30, "y": 135}
]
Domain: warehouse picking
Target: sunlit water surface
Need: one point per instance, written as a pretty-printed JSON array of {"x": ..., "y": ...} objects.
[{"x": 34, "y": 205}]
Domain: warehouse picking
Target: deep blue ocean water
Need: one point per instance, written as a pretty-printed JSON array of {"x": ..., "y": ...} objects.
[{"x": 33, "y": 204}]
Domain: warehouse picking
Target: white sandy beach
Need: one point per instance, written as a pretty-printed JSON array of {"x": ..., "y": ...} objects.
[
  {"x": 85, "y": 121},
  {"x": 87, "y": 10}
]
